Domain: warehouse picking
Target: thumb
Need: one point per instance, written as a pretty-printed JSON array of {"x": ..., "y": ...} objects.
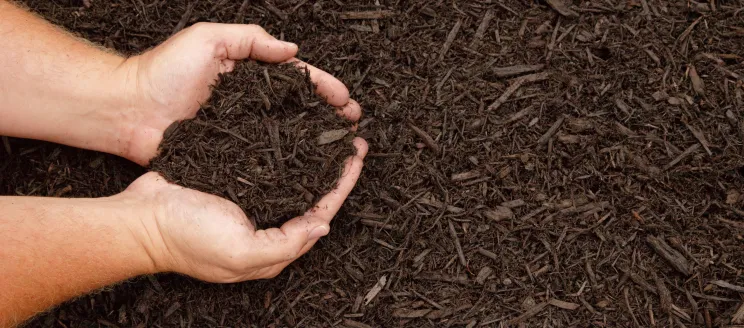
[
  {"x": 277, "y": 245},
  {"x": 251, "y": 41}
]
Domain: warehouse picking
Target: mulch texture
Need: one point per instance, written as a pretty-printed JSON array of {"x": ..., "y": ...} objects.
[
  {"x": 264, "y": 141},
  {"x": 538, "y": 163}
]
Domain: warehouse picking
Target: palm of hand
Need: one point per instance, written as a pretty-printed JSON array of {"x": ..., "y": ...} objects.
[{"x": 206, "y": 237}]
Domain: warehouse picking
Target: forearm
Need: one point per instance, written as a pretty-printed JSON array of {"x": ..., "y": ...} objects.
[
  {"x": 54, "y": 249},
  {"x": 58, "y": 88}
]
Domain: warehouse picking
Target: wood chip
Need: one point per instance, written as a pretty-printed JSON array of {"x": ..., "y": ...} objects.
[
  {"x": 553, "y": 129},
  {"x": 482, "y": 28},
  {"x": 689, "y": 151},
  {"x": 562, "y": 8},
  {"x": 377, "y": 224},
  {"x": 563, "y": 304},
  {"x": 379, "y": 14},
  {"x": 483, "y": 274},
  {"x": 700, "y": 137},
  {"x": 671, "y": 255},
  {"x": 727, "y": 285},
  {"x": 274, "y": 10},
  {"x": 535, "y": 310},
  {"x": 331, "y": 136},
  {"x": 697, "y": 82},
  {"x": 428, "y": 140},
  {"x": 514, "y": 203},
  {"x": 409, "y": 314},
  {"x": 375, "y": 290},
  {"x": 460, "y": 253},
  {"x": 499, "y": 213},
  {"x": 516, "y": 84},
  {"x": 465, "y": 176},
  {"x": 665, "y": 297},
  {"x": 738, "y": 316},
  {"x": 488, "y": 254},
  {"x": 515, "y": 70},
  {"x": 355, "y": 324},
  {"x": 450, "y": 39}
]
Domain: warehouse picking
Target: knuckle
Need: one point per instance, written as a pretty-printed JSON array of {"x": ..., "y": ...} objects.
[{"x": 254, "y": 28}]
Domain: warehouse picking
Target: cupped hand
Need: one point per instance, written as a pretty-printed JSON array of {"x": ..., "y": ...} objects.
[
  {"x": 210, "y": 238},
  {"x": 169, "y": 82}
]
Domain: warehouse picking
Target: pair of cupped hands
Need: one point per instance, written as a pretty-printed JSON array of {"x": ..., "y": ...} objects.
[{"x": 198, "y": 234}]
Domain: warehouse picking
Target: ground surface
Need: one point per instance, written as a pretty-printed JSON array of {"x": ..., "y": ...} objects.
[
  {"x": 604, "y": 190},
  {"x": 274, "y": 148}
]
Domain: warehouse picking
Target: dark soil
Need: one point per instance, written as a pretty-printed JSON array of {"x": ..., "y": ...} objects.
[
  {"x": 534, "y": 163},
  {"x": 270, "y": 146}
]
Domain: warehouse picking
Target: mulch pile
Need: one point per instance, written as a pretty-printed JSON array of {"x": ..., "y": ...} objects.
[
  {"x": 547, "y": 163},
  {"x": 264, "y": 141}
]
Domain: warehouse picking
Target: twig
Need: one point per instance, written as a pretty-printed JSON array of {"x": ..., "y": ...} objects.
[
  {"x": 488, "y": 254},
  {"x": 450, "y": 39},
  {"x": 516, "y": 70},
  {"x": 460, "y": 253},
  {"x": 428, "y": 140},
  {"x": 515, "y": 85},
  {"x": 274, "y": 10},
  {"x": 481, "y": 29},
  {"x": 665, "y": 297},
  {"x": 184, "y": 18},
  {"x": 724, "y": 284},
  {"x": 535, "y": 310},
  {"x": 677, "y": 260},
  {"x": 359, "y": 83},
  {"x": 562, "y": 8},
  {"x": 688, "y": 30},
  {"x": 553, "y": 129},
  {"x": 379, "y": 14},
  {"x": 241, "y": 12},
  {"x": 627, "y": 304},
  {"x": 689, "y": 151},
  {"x": 700, "y": 137},
  {"x": 503, "y": 6}
]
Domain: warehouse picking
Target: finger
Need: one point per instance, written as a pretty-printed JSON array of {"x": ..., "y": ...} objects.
[
  {"x": 330, "y": 88},
  {"x": 351, "y": 111},
  {"x": 277, "y": 245},
  {"x": 241, "y": 41},
  {"x": 329, "y": 205}
]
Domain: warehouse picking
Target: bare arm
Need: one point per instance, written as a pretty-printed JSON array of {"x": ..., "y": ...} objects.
[
  {"x": 58, "y": 88},
  {"x": 54, "y": 249}
]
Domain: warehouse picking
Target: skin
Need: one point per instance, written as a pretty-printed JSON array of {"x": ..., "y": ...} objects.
[{"x": 58, "y": 88}]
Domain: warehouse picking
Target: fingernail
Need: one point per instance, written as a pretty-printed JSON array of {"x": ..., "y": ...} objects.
[{"x": 318, "y": 232}]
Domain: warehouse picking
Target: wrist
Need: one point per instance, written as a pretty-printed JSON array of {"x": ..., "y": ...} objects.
[{"x": 136, "y": 215}]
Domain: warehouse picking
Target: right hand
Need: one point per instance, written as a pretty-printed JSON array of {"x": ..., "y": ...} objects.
[{"x": 210, "y": 238}]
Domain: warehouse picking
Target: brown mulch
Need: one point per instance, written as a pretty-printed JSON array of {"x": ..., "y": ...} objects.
[
  {"x": 274, "y": 148},
  {"x": 541, "y": 163}
]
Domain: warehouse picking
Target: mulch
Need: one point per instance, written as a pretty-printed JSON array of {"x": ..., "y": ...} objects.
[
  {"x": 274, "y": 148},
  {"x": 535, "y": 163}
]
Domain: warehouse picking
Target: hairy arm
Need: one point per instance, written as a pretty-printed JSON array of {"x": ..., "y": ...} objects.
[
  {"x": 58, "y": 88},
  {"x": 54, "y": 249}
]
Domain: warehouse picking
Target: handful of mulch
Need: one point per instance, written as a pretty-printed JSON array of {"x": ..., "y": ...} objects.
[{"x": 264, "y": 141}]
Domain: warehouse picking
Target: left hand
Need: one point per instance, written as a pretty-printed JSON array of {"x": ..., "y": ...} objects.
[{"x": 169, "y": 82}]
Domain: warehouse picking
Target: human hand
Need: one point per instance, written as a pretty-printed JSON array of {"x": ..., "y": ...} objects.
[
  {"x": 210, "y": 238},
  {"x": 169, "y": 82}
]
